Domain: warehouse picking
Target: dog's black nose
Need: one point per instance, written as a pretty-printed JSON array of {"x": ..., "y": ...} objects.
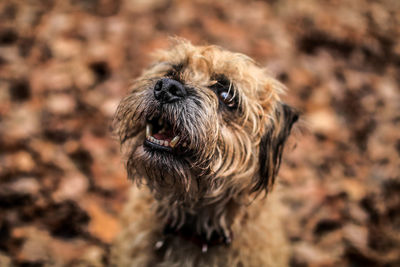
[{"x": 168, "y": 90}]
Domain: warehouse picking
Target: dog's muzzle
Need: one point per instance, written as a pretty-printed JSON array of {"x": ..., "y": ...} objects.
[{"x": 160, "y": 134}]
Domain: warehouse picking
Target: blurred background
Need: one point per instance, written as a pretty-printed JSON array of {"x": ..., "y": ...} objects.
[{"x": 64, "y": 66}]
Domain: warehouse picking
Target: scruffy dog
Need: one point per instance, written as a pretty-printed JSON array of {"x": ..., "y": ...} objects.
[{"x": 204, "y": 130}]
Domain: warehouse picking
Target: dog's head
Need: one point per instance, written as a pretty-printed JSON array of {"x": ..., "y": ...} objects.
[{"x": 203, "y": 123}]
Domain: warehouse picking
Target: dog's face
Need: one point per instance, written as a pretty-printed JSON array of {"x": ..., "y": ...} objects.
[{"x": 203, "y": 123}]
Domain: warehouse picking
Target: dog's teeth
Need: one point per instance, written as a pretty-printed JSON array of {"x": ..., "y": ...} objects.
[
  {"x": 174, "y": 141},
  {"x": 166, "y": 143},
  {"x": 149, "y": 130}
]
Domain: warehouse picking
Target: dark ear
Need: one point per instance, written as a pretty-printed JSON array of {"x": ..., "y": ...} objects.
[{"x": 271, "y": 146}]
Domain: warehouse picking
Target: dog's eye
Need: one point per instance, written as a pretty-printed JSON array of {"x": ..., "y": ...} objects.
[
  {"x": 224, "y": 89},
  {"x": 228, "y": 98}
]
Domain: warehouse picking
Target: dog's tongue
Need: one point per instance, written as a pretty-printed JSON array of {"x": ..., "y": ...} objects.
[{"x": 168, "y": 135}]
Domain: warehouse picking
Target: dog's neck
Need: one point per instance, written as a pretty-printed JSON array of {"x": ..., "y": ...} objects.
[{"x": 203, "y": 224}]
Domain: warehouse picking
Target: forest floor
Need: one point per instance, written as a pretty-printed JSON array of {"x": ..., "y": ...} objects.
[{"x": 64, "y": 66}]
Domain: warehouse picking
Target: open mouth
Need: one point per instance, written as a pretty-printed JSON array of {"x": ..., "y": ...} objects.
[{"x": 160, "y": 135}]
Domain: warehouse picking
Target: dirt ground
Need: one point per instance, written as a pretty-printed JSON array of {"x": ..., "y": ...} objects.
[{"x": 64, "y": 66}]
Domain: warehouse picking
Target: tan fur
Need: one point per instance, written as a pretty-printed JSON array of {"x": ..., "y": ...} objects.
[
  {"x": 219, "y": 182},
  {"x": 258, "y": 238}
]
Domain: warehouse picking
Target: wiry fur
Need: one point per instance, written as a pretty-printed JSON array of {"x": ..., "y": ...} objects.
[{"x": 232, "y": 155}]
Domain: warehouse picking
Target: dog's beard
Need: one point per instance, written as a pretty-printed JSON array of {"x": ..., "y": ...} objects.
[
  {"x": 181, "y": 173},
  {"x": 167, "y": 175}
]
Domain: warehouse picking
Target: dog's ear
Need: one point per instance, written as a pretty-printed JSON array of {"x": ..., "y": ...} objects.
[{"x": 271, "y": 146}]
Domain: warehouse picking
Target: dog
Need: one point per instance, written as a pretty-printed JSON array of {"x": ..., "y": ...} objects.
[{"x": 203, "y": 129}]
